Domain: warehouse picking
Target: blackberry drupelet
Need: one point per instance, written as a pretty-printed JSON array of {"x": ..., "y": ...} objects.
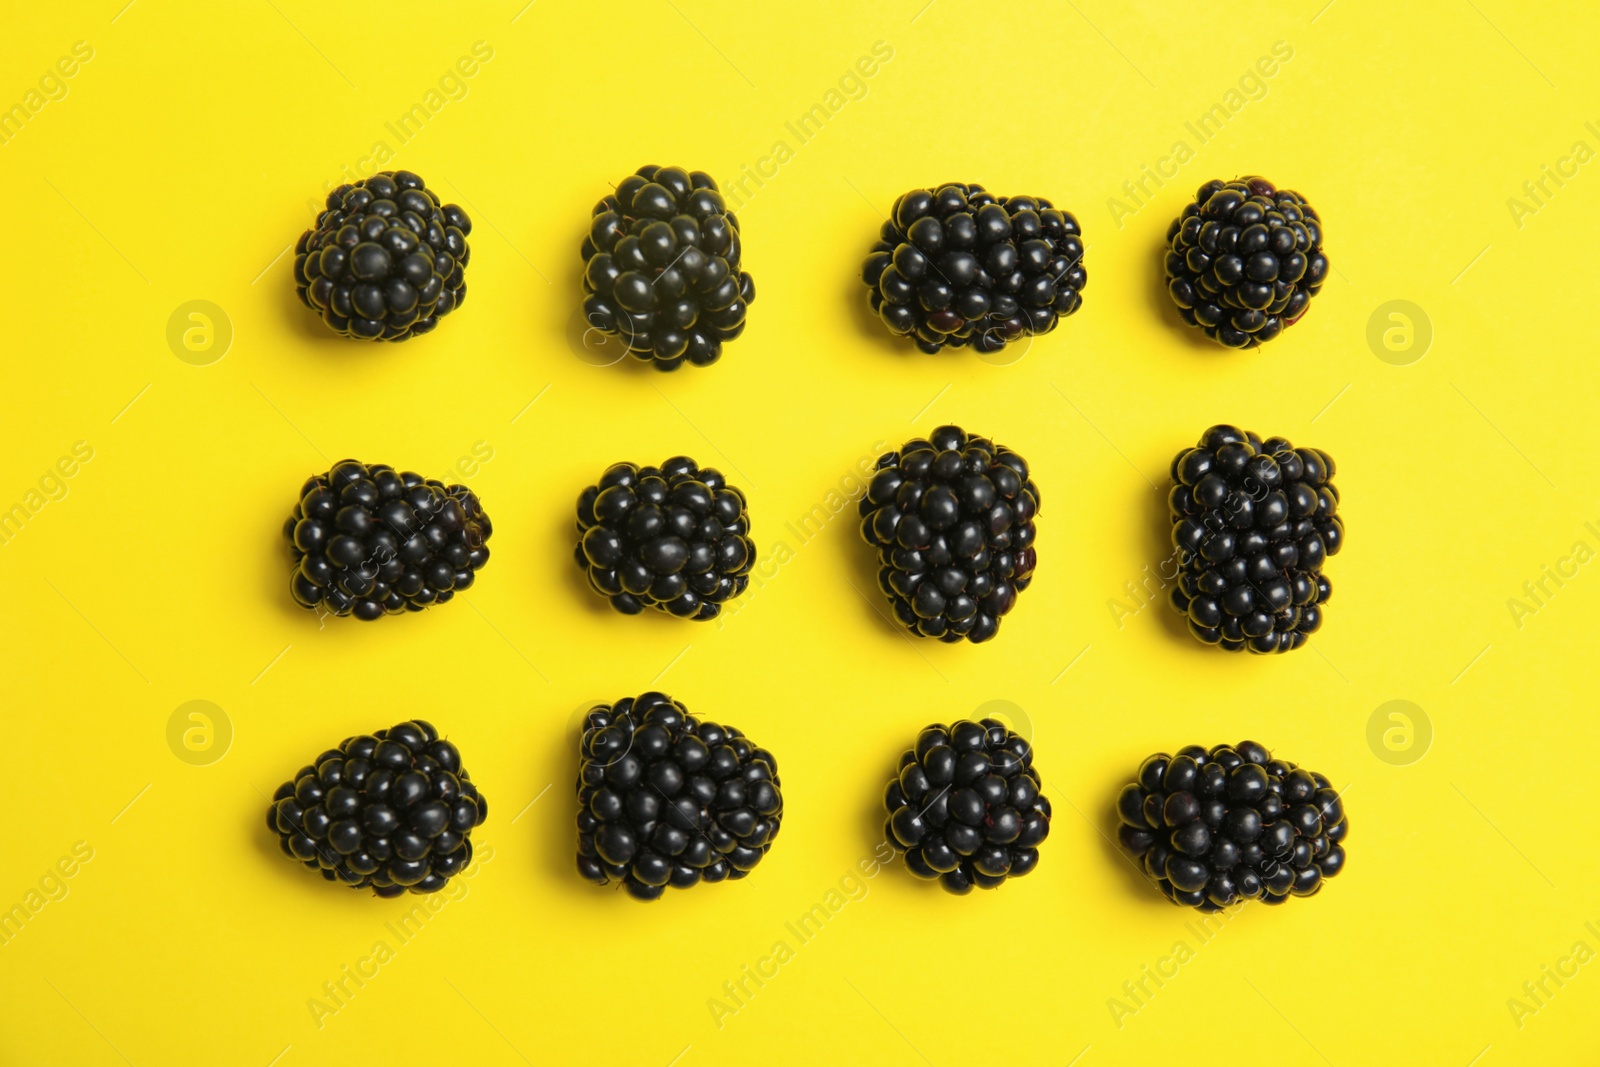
[
  {"x": 952, "y": 519},
  {"x": 1253, "y": 522},
  {"x": 386, "y": 260},
  {"x": 368, "y": 541},
  {"x": 661, "y": 268},
  {"x": 393, "y": 810},
  {"x": 666, "y": 799},
  {"x": 957, "y": 265},
  {"x": 965, "y": 807},
  {"x": 675, "y": 538},
  {"x": 1244, "y": 260},
  {"x": 1213, "y": 828}
]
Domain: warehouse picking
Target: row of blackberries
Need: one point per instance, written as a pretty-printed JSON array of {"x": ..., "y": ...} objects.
[
  {"x": 666, "y": 799},
  {"x": 954, "y": 265},
  {"x": 950, "y": 518}
]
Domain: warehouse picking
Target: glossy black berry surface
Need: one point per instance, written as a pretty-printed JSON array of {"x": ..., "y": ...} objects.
[
  {"x": 965, "y": 807},
  {"x": 666, "y": 799},
  {"x": 393, "y": 810},
  {"x": 675, "y": 538},
  {"x": 368, "y": 541},
  {"x": 662, "y": 268},
  {"x": 385, "y": 260},
  {"x": 960, "y": 266},
  {"x": 1253, "y": 522},
  {"x": 951, "y": 517},
  {"x": 1244, "y": 260},
  {"x": 1213, "y": 828}
]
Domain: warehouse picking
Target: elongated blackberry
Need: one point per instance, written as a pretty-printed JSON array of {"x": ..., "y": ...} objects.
[
  {"x": 951, "y": 516},
  {"x": 662, "y": 268},
  {"x": 393, "y": 810},
  {"x": 666, "y": 799},
  {"x": 367, "y": 541},
  {"x": 966, "y": 808},
  {"x": 675, "y": 538},
  {"x": 385, "y": 261},
  {"x": 1244, "y": 260},
  {"x": 957, "y": 265},
  {"x": 1253, "y": 522},
  {"x": 1216, "y": 827}
]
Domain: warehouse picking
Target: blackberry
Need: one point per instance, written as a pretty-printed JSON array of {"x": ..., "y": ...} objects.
[
  {"x": 957, "y": 265},
  {"x": 1253, "y": 522},
  {"x": 1213, "y": 828},
  {"x": 661, "y": 268},
  {"x": 966, "y": 808},
  {"x": 675, "y": 538},
  {"x": 1244, "y": 260},
  {"x": 952, "y": 519},
  {"x": 386, "y": 260},
  {"x": 393, "y": 810},
  {"x": 368, "y": 541},
  {"x": 666, "y": 799}
]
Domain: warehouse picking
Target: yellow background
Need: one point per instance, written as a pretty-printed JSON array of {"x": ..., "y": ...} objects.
[{"x": 180, "y": 164}]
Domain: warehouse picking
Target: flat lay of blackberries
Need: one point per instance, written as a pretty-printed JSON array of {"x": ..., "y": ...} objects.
[
  {"x": 965, "y": 807},
  {"x": 951, "y": 517},
  {"x": 960, "y": 266},
  {"x": 666, "y": 799},
  {"x": 1244, "y": 260},
  {"x": 392, "y": 811},
  {"x": 385, "y": 261},
  {"x": 675, "y": 538},
  {"x": 662, "y": 268},
  {"x": 1216, "y": 827},
  {"x": 1253, "y": 522},
  {"x": 369, "y": 541}
]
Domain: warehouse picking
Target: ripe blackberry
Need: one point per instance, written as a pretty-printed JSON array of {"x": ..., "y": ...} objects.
[
  {"x": 952, "y": 519},
  {"x": 368, "y": 541},
  {"x": 965, "y": 807},
  {"x": 385, "y": 261},
  {"x": 1231, "y": 824},
  {"x": 661, "y": 267},
  {"x": 393, "y": 810},
  {"x": 675, "y": 538},
  {"x": 1244, "y": 260},
  {"x": 665, "y": 799},
  {"x": 1253, "y": 522},
  {"x": 957, "y": 265}
]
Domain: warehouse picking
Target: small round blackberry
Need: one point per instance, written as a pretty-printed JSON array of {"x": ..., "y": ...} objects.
[
  {"x": 958, "y": 265},
  {"x": 951, "y": 516},
  {"x": 965, "y": 807},
  {"x": 368, "y": 541},
  {"x": 666, "y": 799},
  {"x": 1244, "y": 260},
  {"x": 385, "y": 260},
  {"x": 1216, "y": 827},
  {"x": 661, "y": 268},
  {"x": 1253, "y": 522},
  {"x": 675, "y": 538},
  {"x": 393, "y": 810}
]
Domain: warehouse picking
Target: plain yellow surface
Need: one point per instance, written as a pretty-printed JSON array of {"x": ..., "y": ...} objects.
[{"x": 176, "y": 162}]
